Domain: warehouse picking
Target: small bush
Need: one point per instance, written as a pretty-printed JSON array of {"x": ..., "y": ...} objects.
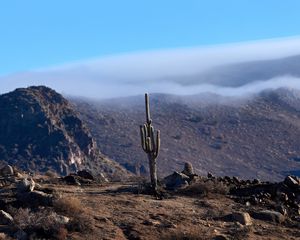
[
  {"x": 205, "y": 188},
  {"x": 81, "y": 221},
  {"x": 43, "y": 222},
  {"x": 70, "y": 206}
]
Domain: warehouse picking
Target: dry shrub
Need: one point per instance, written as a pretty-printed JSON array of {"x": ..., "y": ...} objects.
[
  {"x": 43, "y": 222},
  {"x": 205, "y": 188},
  {"x": 61, "y": 234},
  {"x": 70, "y": 206},
  {"x": 51, "y": 174},
  {"x": 81, "y": 221}
]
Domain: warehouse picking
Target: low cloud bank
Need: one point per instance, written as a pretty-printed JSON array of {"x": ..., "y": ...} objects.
[{"x": 229, "y": 70}]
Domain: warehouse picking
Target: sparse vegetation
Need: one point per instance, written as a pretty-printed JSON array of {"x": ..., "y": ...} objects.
[{"x": 205, "y": 189}]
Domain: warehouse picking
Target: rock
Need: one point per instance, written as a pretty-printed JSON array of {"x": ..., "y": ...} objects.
[
  {"x": 62, "y": 219},
  {"x": 6, "y": 170},
  {"x": 5, "y": 218},
  {"x": 35, "y": 198},
  {"x": 102, "y": 178},
  {"x": 188, "y": 169},
  {"x": 26, "y": 185},
  {"x": 242, "y": 217},
  {"x": 220, "y": 237},
  {"x": 269, "y": 215},
  {"x": 21, "y": 235},
  {"x": 210, "y": 175},
  {"x": 70, "y": 179},
  {"x": 85, "y": 174},
  {"x": 292, "y": 182},
  {"x": 256, "y": 181},
  {"x": 282, "y": 210},
  {"x": 176, "y": 180}
]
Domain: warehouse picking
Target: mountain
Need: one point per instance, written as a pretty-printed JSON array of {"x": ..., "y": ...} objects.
[
  {"x": 40, "y": 131},
  {"x": 257, "y": 137}
]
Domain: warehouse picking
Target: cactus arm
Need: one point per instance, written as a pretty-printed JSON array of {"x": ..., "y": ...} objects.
[
  {"x": 148, "y": 145},
  {"x": 152, "y": 138},
  {"x": 143, "y": 137},
  {"x": 148, "y": 119},
  {"x": 157, "y": 144}
]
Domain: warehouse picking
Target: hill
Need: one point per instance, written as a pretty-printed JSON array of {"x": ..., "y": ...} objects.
[
  {"x": 40, "y": 131},
  {"x": 254, "y": 137}
]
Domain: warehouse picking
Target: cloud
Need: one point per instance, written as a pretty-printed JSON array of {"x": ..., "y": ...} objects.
[{"x": 233, "y": 69}]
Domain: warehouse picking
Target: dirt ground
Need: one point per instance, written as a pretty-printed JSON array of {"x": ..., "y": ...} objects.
[{"x": 120, "y": 213}]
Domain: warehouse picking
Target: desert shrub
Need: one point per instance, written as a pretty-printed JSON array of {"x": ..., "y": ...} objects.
[
  {"x": 205, "y": 188},
  {"x": 81, "y": 221},
  {"x": 43, "y": 222},
  {"x": 70, "y": 206},
  {"x": 51, "y": 174},
  {"x": 61, "y": 234}
]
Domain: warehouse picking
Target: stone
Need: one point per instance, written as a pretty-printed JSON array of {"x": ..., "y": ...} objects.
[
  {"x": 5, "y": 218},
  {"x": 220, "y": 237},
  {"x": 21, "y": 235},
  {"x": 269, "y": 215},
  {"x": 26, "y": 185},
  {"x": 85, "y": 174},
  {"x": 210, "y": 175},
  {"x": 6, "y": 170},
  {"x": 188, "y": 169},
  {"x": 242, "y": 217},
  {"x": 62, "y": 219},
  {"x": 35, "y": 198},
  {"x": 176, "y": 180},
  {"x": 292, "y": 182},
  {"x": 70, "y": 179}
]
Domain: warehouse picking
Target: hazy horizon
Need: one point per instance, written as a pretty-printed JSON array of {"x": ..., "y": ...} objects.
[{"x": 185, "y": 71}]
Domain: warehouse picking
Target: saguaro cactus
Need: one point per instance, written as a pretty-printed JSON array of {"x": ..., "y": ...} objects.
[{"x": 150, "y": 144}]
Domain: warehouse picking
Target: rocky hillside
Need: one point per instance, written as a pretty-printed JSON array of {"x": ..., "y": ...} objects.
[
  {"x": 40, "y": 131},
  {"x": 249, "y": 138}
]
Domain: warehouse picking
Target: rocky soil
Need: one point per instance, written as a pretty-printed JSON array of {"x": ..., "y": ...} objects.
[{"x": 190, "y": 207}]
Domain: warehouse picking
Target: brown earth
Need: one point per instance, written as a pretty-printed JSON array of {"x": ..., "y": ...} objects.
[{"x": 124, "y": 211}]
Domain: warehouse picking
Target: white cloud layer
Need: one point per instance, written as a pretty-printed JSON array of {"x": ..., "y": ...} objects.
[{"x": 230, "y": 70}]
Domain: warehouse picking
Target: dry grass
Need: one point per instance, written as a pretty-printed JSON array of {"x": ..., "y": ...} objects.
[
  {"x": 72, "y": 207},
  {"x": 205, "y": 189},
  {"x": 45, "y": 222}
]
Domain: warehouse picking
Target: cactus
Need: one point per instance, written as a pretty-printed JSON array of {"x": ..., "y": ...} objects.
[{"x": 150, "y": 144}]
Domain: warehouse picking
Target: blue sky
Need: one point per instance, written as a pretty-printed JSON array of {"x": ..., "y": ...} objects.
[{"x": 37, "y": 34}]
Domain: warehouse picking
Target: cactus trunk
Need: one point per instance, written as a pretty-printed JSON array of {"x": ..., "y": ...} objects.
[{"x": 150, "y": 144}]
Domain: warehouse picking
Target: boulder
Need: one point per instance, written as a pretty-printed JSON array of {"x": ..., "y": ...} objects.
[
  {"x": 35, "y": 198},
  {"x": 5, "y": 218},
  {"x": 176, "y": 180},
  {"x": 188, "y": 169},
  {"x": 71, "y": 179},
  {"x": 242, "y": 217},
  {"x": 269, "y": 215},
  {"x": 26, "y": 185},
  {"x": 21, "y": 235},
  {"x": 6, "y": 170},
  {"x": 292, "y": 182},
  {"x": 85, "y": 174}
]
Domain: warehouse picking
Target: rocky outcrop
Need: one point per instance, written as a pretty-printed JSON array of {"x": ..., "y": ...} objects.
[{"x": 40, "y": 131}]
